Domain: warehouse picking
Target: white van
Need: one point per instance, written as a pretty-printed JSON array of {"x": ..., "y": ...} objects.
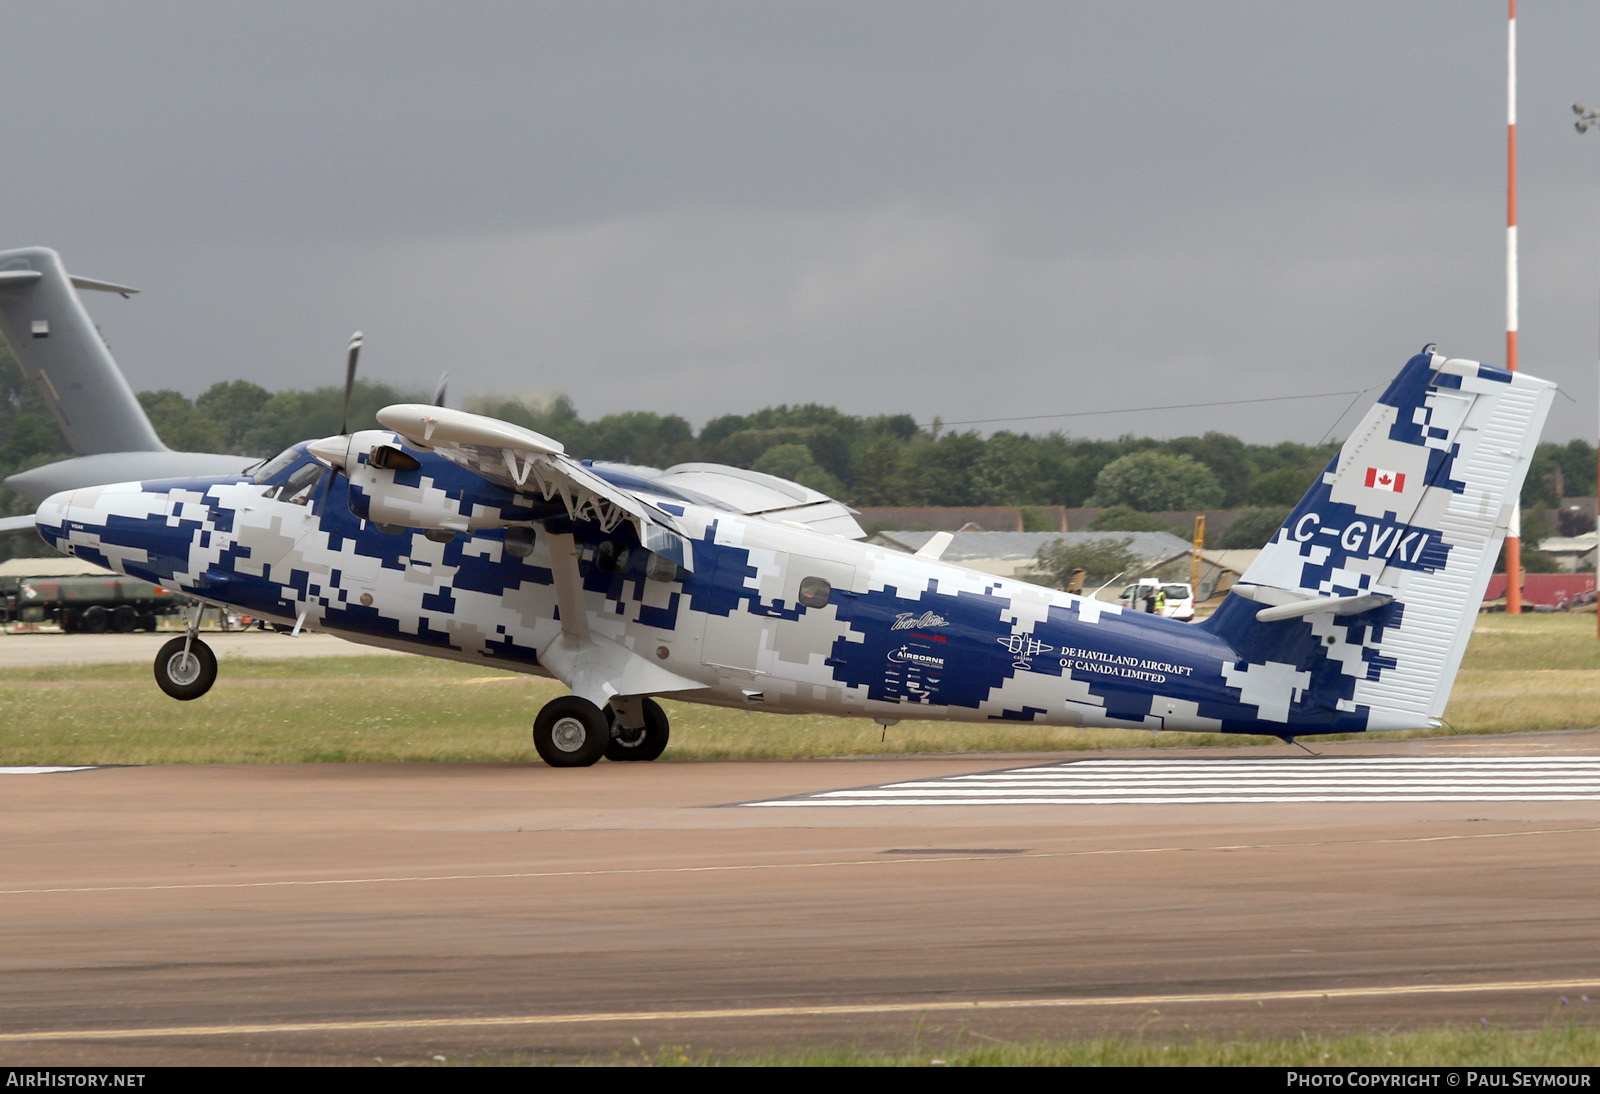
[{"x": 1179, "y": 594}]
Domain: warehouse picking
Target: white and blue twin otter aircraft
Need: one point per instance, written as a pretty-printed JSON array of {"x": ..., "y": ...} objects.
[{"x": 459, "y": 536}]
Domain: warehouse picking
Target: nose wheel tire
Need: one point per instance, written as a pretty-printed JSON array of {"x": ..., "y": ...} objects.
[
  {"x": 186, "y": 675},
  {"x": 571, "y": 732},
  {"x": 645, "y": 743}
]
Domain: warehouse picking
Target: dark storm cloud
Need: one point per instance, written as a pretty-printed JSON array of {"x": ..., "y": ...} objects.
[{"x": 948, "y": 209}]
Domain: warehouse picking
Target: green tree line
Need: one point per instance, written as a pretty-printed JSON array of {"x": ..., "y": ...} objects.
[{"x": 862, "y": 460}]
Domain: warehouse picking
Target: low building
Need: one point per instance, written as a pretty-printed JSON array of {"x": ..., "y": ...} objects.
[
  {"x": 962, "y": 518},
  {"x": 1015, "y": 554},
  {"x": 1573, "y": 554}
]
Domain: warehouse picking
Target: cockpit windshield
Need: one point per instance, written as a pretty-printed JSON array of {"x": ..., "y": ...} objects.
[{"x": 268, "y": 471}]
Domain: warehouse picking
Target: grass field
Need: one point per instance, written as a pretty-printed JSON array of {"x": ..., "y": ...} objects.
[
  {"x": 1521, "y": 673},
  {"x": 1553, "y": 1046}
]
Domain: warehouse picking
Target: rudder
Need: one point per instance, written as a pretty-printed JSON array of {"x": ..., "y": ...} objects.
[{"x": 1365, "y": 597}]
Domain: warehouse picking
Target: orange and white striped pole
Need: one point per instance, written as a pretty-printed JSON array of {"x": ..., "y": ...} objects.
[
  {"x": 1587, "y": 118},
  {"x": 1514, "y": 533}
]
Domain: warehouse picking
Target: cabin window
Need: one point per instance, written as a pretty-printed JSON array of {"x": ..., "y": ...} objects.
[
  {"x": 611, "y": 556},
  {"x": 519, "y": 542},
  {"x": 814, "y": 592}
]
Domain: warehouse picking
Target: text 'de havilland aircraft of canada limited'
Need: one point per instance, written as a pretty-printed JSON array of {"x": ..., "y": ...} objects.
[{"x": 455, "y": 535}]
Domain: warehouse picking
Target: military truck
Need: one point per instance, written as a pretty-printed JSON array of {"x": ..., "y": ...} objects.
[{"x": 92, "y": 603}]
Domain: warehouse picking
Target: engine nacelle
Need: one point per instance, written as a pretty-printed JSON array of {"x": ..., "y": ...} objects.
[{"x": 390, "y": 486}]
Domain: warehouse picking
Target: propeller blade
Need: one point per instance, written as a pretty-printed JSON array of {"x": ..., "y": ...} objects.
[
  {"x": 438, "y": 390},
  {"x": 350, "y": 381}
]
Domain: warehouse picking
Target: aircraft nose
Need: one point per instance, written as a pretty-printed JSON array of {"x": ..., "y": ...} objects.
[
  {"x": 59, "y": 515},
  {"x": 52, "y": 516}
]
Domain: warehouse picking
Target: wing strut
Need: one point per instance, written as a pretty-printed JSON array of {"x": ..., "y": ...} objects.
[{"x": 569, "y": 585}]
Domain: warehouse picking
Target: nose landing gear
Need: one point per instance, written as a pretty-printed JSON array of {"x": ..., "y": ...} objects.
[{"x": 186, "y": 668}]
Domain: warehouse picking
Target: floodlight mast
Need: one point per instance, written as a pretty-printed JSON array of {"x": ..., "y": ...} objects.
[{"x": 1586, "y": 118}]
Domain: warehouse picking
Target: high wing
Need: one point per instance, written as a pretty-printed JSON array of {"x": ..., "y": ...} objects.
[
  {"x": 524, "y": 461},
  {"x": 764, "y": 496},
  {"x": 528, "y": 463}
]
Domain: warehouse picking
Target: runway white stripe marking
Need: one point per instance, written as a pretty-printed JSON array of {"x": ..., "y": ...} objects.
[
  {"x": 1240, "y": 782},
  {"x": 40, "y": 770}
]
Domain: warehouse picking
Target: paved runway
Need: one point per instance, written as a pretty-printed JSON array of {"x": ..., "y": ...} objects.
[{"x": 340, "y": 913}]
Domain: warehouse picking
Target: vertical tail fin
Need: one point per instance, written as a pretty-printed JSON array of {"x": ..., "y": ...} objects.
[
  {"x": 1363, "y": 602},
  {"x": 58, "y": 348}
]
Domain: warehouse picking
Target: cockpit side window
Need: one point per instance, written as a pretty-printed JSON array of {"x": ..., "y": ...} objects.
[{"x": 301, "y": 484}]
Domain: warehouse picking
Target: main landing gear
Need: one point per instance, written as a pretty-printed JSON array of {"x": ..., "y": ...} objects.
[
  {"x": 644, "y": 743},
  {"x": 573, "y": 732}
]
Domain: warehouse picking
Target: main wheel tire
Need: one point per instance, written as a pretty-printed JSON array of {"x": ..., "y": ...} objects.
[
  {"x": 186, "y": 676},
  {"x": 571, "y": 732},
  {"x": 645, "y": 743}
]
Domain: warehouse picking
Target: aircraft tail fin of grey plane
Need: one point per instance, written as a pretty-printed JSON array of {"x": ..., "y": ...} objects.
[
  {"x": 61, "y": 352},
  {"x": 1363, "y": 601}
]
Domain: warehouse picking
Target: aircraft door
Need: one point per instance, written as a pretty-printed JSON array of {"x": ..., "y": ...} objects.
[
  {"x": 272, "y": 520},
  {"x": 789, "y": 624}
]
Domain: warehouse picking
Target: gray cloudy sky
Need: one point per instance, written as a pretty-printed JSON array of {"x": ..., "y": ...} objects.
[{"x": 972, "y": 210}]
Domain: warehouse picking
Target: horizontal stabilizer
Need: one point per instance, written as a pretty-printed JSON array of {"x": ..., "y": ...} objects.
[
  {"x": 934, "y": 548},
  {"x": 101, "y": 286},
  {"x": 16, "y": 279},
  {"x": 1284, "y": 604}
]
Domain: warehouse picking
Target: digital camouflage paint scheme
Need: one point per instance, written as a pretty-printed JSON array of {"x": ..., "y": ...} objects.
[{"x": 458, "y": 536}]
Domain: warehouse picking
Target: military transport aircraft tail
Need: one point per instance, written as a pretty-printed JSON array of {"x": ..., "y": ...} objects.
[
  {"x": 61, "y": 352},
  {"x": 1365, "y": 597}
]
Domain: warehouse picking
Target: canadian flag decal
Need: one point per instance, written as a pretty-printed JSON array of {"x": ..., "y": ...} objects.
[{"x": 1380, "y": 479}]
